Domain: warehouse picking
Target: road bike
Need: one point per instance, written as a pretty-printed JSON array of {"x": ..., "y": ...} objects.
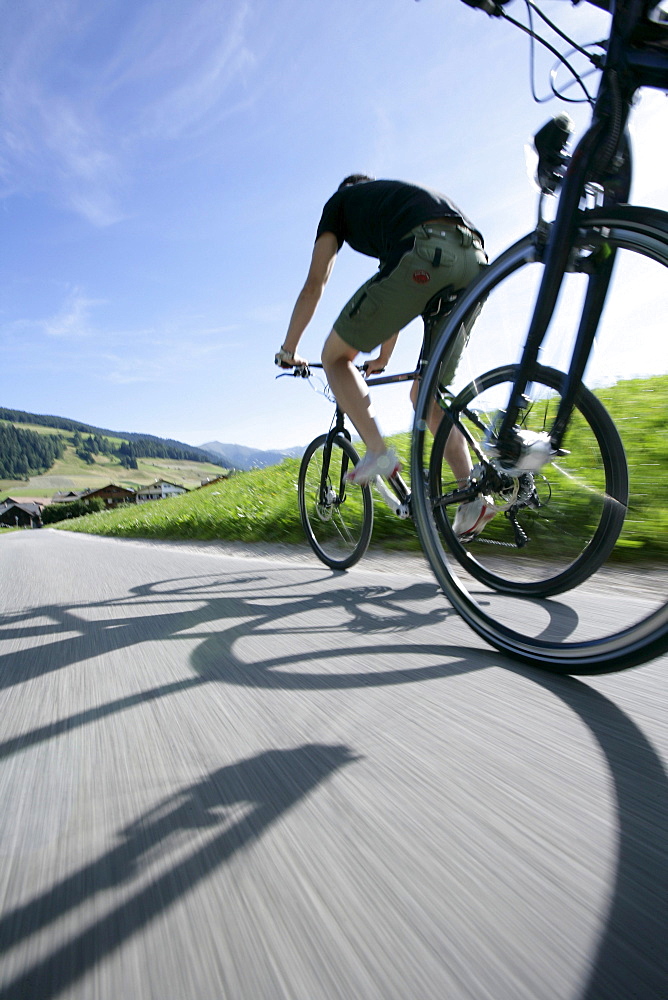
[
  {"x": 337, "y": 516},
  {"x": 557, "y": 466}
]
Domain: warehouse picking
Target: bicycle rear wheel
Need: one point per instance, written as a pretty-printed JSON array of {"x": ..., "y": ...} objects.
[
  {"x": 612, "y": 612},
  {"x": 554, "y": 529},
  {"x": 337, "y": 517}
]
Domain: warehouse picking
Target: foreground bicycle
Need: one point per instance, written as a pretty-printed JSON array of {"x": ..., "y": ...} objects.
[{"x": 529, "y": 425}]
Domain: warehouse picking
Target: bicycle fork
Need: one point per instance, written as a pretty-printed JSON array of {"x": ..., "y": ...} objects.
[
  {"x": 506, "y": 443},
  {"x": 338, "y": 430}
]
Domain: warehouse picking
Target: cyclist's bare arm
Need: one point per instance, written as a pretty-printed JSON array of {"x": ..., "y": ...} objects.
[{"x": 322, "y": 262}]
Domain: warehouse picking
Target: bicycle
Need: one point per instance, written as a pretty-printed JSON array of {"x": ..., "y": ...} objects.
[
  {"x": 522, "y": 418},
  {"x": 337, "y": 517}
]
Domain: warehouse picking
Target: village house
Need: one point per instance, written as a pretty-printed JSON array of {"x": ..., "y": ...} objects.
[
  {"x": 111, "y": 494},
  {"x": 68, "y": 497},
  {"x": 159, "y": 490},
  {"x": 21, "y": 513}
]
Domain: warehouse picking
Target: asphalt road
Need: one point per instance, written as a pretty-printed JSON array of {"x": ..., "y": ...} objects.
[{"x": 226, "y": 776}]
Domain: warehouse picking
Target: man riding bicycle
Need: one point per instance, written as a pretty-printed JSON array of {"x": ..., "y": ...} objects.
[{"x": 424, "y": 243}]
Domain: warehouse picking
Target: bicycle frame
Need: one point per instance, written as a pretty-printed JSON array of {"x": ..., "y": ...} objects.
[{"x": 626, "y": 69}]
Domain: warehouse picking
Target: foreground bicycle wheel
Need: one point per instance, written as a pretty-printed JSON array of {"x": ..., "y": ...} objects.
[
  {"x": 337, "y": 517},
  {"x": 551, "y": 530},
  {"x": 610, "y": 616}
]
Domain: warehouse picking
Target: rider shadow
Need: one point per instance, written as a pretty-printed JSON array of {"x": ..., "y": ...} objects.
[{"x": 263, "y": 788}]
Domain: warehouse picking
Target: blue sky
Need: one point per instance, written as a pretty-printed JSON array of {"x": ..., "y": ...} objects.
[{"x": 163, "y": 166}]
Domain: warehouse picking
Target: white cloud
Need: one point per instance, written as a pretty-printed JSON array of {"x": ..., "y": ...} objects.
[
  {"x": 127, "y": 371},
  {"x": 198, "y": 64},
  {"x": 73, "y": 320}
]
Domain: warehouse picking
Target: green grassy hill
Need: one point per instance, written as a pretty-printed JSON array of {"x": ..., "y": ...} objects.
[{"x": 261, "y": 505}]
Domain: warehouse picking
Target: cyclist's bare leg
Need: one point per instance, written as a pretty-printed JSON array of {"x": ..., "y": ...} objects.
[
  {"x": 456, "y": 451},
  {"x": 350, "y": 390}
]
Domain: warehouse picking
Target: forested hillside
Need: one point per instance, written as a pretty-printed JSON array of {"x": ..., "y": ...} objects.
[
  {"x": 24, "y": 453},
  {"x": 41, "y": 455},
  {"x": 139, "y": 445}
]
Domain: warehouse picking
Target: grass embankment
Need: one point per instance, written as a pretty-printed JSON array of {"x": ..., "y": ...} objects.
[
  {"x": 261, "y": 506},
  {"x": 639, "y": 408},
  {"x": 256, "y": 506}
]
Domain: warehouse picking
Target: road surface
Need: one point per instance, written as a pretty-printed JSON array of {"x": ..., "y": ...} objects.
[{"x": 230, "y": 776}]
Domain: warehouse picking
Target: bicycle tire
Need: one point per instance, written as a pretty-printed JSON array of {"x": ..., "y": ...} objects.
[
  {"x": 569, "y": 636},
  {"x": 559, "y": 550},
  {"x": 338, "y": 524}
]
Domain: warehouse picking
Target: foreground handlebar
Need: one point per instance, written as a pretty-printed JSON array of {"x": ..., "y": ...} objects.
[{"x": 304, "y": 371}]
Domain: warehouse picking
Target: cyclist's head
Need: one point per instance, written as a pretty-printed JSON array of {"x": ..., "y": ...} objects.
[{"x": 354, "y": 179}]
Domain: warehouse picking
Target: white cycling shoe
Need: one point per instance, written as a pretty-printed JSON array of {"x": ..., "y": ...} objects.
[
  {"x": 372, "y": 466},
  {"x": 472, "y": 517}
]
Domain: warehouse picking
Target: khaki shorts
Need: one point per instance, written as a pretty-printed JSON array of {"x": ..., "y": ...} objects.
[{"x": 433, "y": 259}]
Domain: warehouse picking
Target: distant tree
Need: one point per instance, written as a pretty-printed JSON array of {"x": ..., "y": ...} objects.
[{"x": 127, "y": 455}]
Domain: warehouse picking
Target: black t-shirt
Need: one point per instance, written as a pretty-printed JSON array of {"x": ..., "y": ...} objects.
[{"x": 372, "y": 217}]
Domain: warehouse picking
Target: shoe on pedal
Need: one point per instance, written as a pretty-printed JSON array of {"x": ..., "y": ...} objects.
[
  {"x": 471, "y": 518},
  {"x": 372, "y": 466}
]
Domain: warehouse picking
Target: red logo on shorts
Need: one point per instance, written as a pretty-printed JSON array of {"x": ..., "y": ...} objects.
[{"x": 421, "y": 277}]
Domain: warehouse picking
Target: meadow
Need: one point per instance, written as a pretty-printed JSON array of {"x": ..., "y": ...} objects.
[{"x": 71, "y": 473}]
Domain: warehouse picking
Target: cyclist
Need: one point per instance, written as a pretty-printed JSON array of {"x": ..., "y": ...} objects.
[{"x": 423, "y": 243}]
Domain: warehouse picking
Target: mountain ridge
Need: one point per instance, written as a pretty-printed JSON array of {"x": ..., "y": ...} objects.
[{"x": 239, "y": 456}]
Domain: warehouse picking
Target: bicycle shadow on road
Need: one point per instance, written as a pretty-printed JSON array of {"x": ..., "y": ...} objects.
[
  {"x": 157, "y": 614},
  {"x": 265, "y": 787},
  {"x": 227, "y": 611},
  {"x": 631, "y": 955},
  {"x": 630, "y": 958}
]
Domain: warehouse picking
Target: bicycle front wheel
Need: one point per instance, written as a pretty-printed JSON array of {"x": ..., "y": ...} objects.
[
  {"x": 337, "y": 517},
  {"x": 611, "y": 575}
]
